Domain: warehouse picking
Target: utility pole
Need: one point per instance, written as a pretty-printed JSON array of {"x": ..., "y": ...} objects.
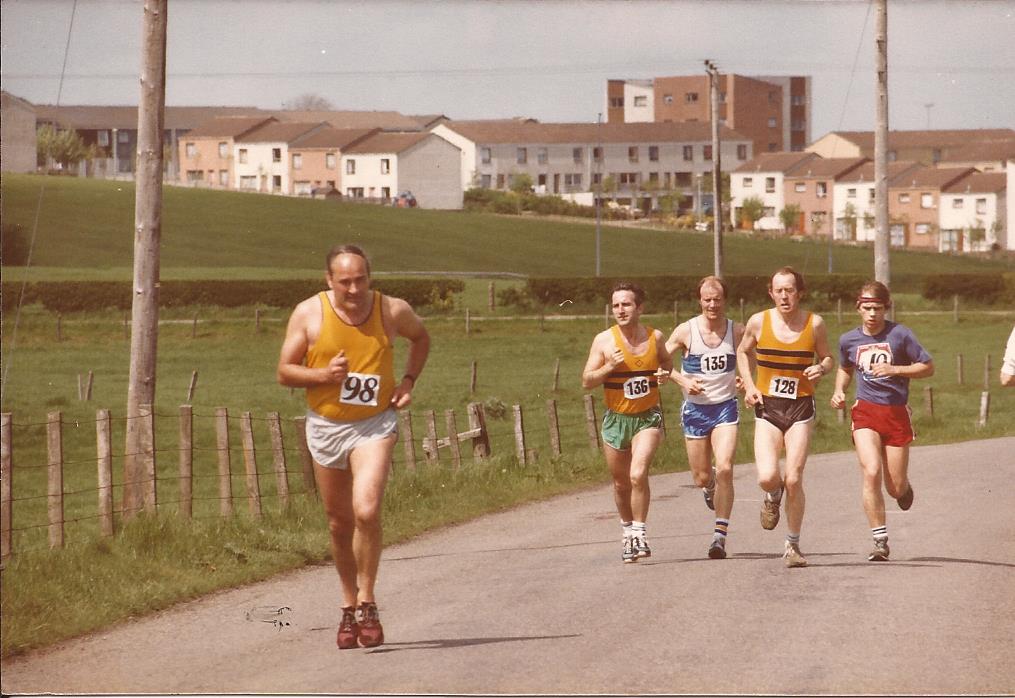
[
  {"x": 717, "y": 220},
  {"x": 147, "y": 235},
  {"x": 882, "y": 235},
  {"x": 599, "y": 186}
]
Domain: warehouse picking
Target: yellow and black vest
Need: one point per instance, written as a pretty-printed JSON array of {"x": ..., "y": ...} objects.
[
  {"x": 632, "y": 386},
  {"x": 781, "y": 364}
]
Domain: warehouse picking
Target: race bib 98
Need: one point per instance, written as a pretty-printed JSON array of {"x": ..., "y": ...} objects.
[
  {"x": 781, "y": 386},
  {"x": 636, "y": 387},
  {"x": 360, "y": 389},
  {"x": 712, "y": 364}
]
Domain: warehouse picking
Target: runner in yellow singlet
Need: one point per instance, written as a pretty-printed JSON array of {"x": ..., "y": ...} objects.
[
  {"x": 339, "y": 346},
  {"x": 782, "y": 343},
  {"x": 624, "y": 360}
]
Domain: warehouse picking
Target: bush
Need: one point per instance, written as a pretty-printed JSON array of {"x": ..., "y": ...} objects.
[
  {"x": 14, "y": 252},
  {"x": 986, "y": 288}
]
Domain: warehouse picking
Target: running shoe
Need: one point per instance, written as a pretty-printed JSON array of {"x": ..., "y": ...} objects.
[
  {"x": 769, "y": 512},
  {"x": 709, "y": 492},
  {"x": 793, "y": 556},
  {"x": 348, "y": 629},
  {"x": 641, "y": 548},
  {"x": 906, "y": 500},
  {"x": 629, "y": 554},
  {"x": 880, "y": 551},
  {"x": 371, "y": 633},
  {"x": 717, "y": 551}
]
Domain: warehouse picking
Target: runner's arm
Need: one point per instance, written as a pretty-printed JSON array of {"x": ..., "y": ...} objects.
[
  {"x": 291, "y": 371},
  {"x": 599, "y": 365},
  {"x": 408, "y": 325},
  {"x": 826, "y": 362},
  {"x": 746, "y": 359},
  {"x": 843, "y": 377}
]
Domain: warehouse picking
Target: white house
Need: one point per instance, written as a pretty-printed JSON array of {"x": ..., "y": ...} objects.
[
  {"x": 261, "y": 157},
  {"x": 763, "y": 178},
  {"x": 386, "y": 164},
  {"x": 853, "y": 200},
  {"x": 973, "y": 213}
]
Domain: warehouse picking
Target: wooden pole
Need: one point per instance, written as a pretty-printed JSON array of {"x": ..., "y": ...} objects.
[
  {"x": 432, "y": 453},
  {"x": 491, "y": 298},
  {"x": 468, "y": 324},
  {"x": 959, "y": 373},
  {"x": 407, "y": 439},
  {"x": 717, "y": 215},
  {"x": 6, "y": 485},
  {"x": 147, "y": 241},
  {"x": 54, "y": 480},
  {"x": 146, "y": 441},
  {"x": 193, "y": 384},
  {"x": 456, "y": 448},
  {"x": 986, "y": 372},
  {"x": 556, "y": 374},
  {"x": 257, "y": 319},
  {"x": 306, "y": 460},
  {"x": 928, "y": 400},
  {"x": 472, "y": 378},
  {"x": 250, "y": 465},
  {"x": 838, "y": 310},
  {"x": 104, "y": 464},
  {"x": 984, "y": 408},
  {"x": 554, "y": 424},
  {"x": 477, "y": 420},
  {"x": 278, "y": 463},
  {"x": 88, "y": 386},
  {"x": 193, "y": 327},
  {"x": 591, "y": 425},
  {"x": 225, "y": 476},
  {"x": 882, "y": 234},
  {"x": 186, "y": 461},
  {"x": 519, "y": 435},
  {"x": 955, "y": 308}
]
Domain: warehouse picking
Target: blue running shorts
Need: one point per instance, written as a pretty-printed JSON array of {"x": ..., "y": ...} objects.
[{"x": 700, "y": 420}]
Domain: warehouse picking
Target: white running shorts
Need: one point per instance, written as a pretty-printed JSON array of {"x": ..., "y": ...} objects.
[{"x": 330, "y": 442}]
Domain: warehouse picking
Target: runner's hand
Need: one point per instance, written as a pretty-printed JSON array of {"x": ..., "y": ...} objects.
[
  {"x": 838, "y": 400},
  {"x": 337, "y": 369},
  {"x": 753, "y": 397}
]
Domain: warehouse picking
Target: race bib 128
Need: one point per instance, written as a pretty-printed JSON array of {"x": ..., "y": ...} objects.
[{"x": 782, "y": 386}]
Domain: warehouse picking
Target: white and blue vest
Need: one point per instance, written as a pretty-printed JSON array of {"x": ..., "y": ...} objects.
[{"x": 716, "y": 367}]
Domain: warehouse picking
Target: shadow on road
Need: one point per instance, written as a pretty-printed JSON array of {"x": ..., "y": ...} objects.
[
  {"x": 450, "y": 643},
  {"x": 459, "y": 552},
  {"x": 962, "y": 560}
]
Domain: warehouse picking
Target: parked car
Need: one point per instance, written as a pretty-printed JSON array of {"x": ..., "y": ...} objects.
[{"x": 405, "y": 199}]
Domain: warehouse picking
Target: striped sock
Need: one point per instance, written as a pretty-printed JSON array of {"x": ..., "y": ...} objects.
[
  {"x": 638, "y": 528},
  {"x": 793, "y": 538},
  {"x": 880, "y": 533},
  {"x": 720, "y": 530}
]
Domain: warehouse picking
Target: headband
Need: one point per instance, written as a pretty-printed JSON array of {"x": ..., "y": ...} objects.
[{"x": 871, "y": 299}]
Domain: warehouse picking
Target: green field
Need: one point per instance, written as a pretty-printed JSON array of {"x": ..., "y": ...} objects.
[{"x": 156, "y": 561}]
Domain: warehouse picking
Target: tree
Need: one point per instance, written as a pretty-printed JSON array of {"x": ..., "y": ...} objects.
[
  {"x": 753, "y": 210},
  {"x": 65, "y": 147},
  {"x": 849, "y": 219},
  {"x": 308, "y": 101},
  {"x": 608, "y": 184},
  {"x": 790, "y": 216},
  {"x": 521, "y": 183}
]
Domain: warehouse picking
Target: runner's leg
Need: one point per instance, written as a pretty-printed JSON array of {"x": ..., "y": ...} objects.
[
  {"x": 370, "y": 464},
  {"x": 335, "y": 488},
  {"x": 870, "y": 454}
]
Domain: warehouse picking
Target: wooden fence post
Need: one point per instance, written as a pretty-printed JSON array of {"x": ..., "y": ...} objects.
[
  {"x": 278, "y": 459},
  {"x": 959, "y": 373},
  {"x": 606, "y": 316},
  {"x": 407, "y": 439},
  {"x": 468, "y": 323},
  {"x": 554, "y": 424},
  {"x": 928, "y": 400},
  {"x": 955, "y": 308},
  {"x": 556, "y": 374},
  {"x": 986, "y": 372},
  {"x": 54, "y": 479},
  {"x": 591, "y": 425},
  {"x": 472, "y": 379},
  {"x": 306, "y": 460},
  {"x": 187, "y": 461},
  {"x": 193, "y": 384},
  {"x": 519, "y": 435},
  {"x": 88, "y": 386},
  {"x": 225, "y": 476},
  {"x": 491, "y": 298},
  {"x": 6, "y": 485},
  {"x": 432, "y": 453},
  {"x": 257, "y": 319},
  {"x": 146, "y": 440},
  {"x": 838, "y": 310},
  {"x": 984, "y": 408},
  {"x": 104, "y": 465},
  {"x": 456, "y": 448},
  {"x": 250, "y": 464},
  {"x": 477, "y": 420}
]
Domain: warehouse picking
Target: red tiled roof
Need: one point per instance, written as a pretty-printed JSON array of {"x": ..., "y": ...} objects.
[
  {"x": 929, "y": 138},
  {"x": 782, "y": 161},
  {"x": 227, "y": 126},
  {"x": 824, "y": 167},
  {"x": 978, "y": 152},
  {"x": 279, "y": 132},
  {"x": 933, "y": 177},
  {"x": 865, "y": 172},
  {"x": 979, "y": 183},
  {"x": 510, "y": 131},
  {"x": 330, "y": 137},
  {"x": 387, "y": 120},
  {"x": 388, "y": 142}
]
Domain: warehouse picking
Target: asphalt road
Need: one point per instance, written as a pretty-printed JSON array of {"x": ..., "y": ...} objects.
[{"x": 536, "y": 600}]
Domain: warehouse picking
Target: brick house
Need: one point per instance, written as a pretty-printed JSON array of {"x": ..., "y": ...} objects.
[
  {"x": 206, "y": 152},
  {"x": 315, "y": 158},
  {"x": 915, "y": 205},
  {"x": 809, "y": 185}
]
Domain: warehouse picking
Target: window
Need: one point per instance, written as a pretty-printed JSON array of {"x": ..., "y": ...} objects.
[
  {"x": 522, "y": 156},
  {"x": 541, "y": 180},
  {"x": 921, "y": 228},
  {"x": 223, "y": 149},
  {"x": 936, "y": 155},
  {"x": 742, "y": 152},
  {"x": 302, "y": 187},
  {"x": 769, "y": 212},
  {"x": 243, "y": 155},
  {"x": 653, "y": 153},
  {"x": 691, "y": 97},
  {"x": 297, "y": 161},
  {"x": 276, "y": 182},
  {"x": 798, "y": 100},
  {"x": 667, "y": 99},
  {"x": 354, "y": 192},
  {"x": 682, "y": 179},
  {"x": 122, "y": 137},
  {"x": 191, "y": 150},
  {"x": 897, "y": 234},
  {"x": 632, "y": 153},
  {"x": 211, "y": 176},
  {"x": 957, "y": 202},
  {"x": 597, "y": 154},
  {"x": 542, "y": 156},
  {"x": 597, "y": 179},
  {"x": 224, "y": 178},
  {"x": 688, "y": 153},
  {"x": 276, "y": 155},
  {"x": 330, "y": 183},
  {"x": 577, "y": 154},
  {"x": 628, "y": 178},
  {"x": 706, "y": 152},
  {"x": 821, "y": 188},
  {"x": 350, "y": 167},
  {"x": 769, "y": 184},
  {"x": 798, "y": 125},
  {"x": 385, "y": 166},
  {"x": 329, "y": 161},
  {"x": 485, "y": 155},
  {"x": 573, "y": 180},
  {"x": 981, "y": 207},
  {"x": 950, "y": 240},
  {"x": 926, "y": 200},
  {"x": 385, "y": 193},
  {"x": 870, "y": 194},
  {"x": 485, "y": 181},
  {"x": 248, "y": 182},
  {"x": 193, "y": 175},
  {"x": 640, "y": 101},
  {"x": 103, "y": 138},
  {"x": 772, "y": 122},
  {"x": 904, "y": 198},
  {"x": 800, "y": 187},
  {"x": 500, "y": 181},
  {"x": 617, "y": 102}
]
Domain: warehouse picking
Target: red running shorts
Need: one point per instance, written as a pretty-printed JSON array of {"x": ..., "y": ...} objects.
[{"x": 892, "y": 422}]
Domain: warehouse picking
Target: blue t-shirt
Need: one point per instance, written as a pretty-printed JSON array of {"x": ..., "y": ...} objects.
[{"x": 896, "y": 345}]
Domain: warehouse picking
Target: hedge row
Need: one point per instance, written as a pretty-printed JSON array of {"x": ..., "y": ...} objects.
[
  {"x": 71, "y": 296},
  {"x": 985, "y": 288}
]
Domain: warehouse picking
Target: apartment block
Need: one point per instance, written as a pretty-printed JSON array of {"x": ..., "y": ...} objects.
[
  {"x": 17, "y": 140},
  {"x": 974, "y": 213},
  {"x": 914, "y": 205},
  {"x": 385, "y": 164}
]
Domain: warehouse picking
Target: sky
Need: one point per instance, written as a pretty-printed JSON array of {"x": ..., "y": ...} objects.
[{"x": 951, "y": 62}]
